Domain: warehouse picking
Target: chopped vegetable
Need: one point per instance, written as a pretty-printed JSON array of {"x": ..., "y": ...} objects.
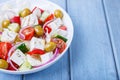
[
  {"x": 50, "y": 17},
  {"x": 36, "y": 51},
  {"x": 25, "y": 66},
  {"x": 61, "y": 37},
  {"x": 23, "y": 48},
  {"x": 28, "y": 33},
  {"x": 16, "y": 19},
  {"x": 4, "y": 49},
  {"x": 44, "y": 16},
  {"x": 3, "y": 64},
  {"x": 61, "y": 45}
]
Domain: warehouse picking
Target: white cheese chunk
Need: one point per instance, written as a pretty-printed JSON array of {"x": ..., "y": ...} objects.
[
  {"x": 55, "y": 24},
  {"x": 37, "y": 12},
  {"x": 44, "y": 16},
  {"x": 8, "y": 36},
  {"x": 37, "y": 43},
  {"x": 62, "y": 32},
  {"x": 18, "y": 57},
  {"x": 46, "y": 57},
  {"x": 29, "y": 20},
  {"x": 32, "y": 61}
]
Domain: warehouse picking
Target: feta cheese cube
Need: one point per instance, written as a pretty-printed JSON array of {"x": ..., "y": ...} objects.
[
  {"x": 62, "y": 32},
  {"x": 32, "y": 61},
  {"x": 18, "y": 57},
  {"x": 14, "y": 27},
  {"x": 37, "y": 12},
  {"x": 46, "y": 57},
  {"x": 55, "y": 24},
  {"x": 29, "y": 20},
  {"x": 8, "y": 36},
  {"x": 37, "y": 43},
  {"x": 44, "y": 16}
]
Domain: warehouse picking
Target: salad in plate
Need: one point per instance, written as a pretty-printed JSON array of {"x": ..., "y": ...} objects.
[{"x": 31, "y": 38}]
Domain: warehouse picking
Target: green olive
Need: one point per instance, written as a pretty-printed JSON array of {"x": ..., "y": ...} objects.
[
  {"x": 25, "y": 12},
  {"x": 3, "y": 64},
  {"x": 58, "y": 13},
  {"x": 5, "y": 23},
  {"x": 39, "y": 30},
  {"x": 50, "y": 46}
]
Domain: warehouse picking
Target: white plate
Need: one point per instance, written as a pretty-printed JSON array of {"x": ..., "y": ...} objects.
[{"x": 45, "y": 5}]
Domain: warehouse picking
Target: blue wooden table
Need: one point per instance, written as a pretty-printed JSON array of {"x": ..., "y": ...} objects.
[{"x": 95, "y": 50}]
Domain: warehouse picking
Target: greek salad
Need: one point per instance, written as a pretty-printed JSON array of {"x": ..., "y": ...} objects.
[{"x": 31, "y": 38}]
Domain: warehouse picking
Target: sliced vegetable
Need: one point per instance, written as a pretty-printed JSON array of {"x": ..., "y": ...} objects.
[
  {"x": 63, "y": 27},
  {"x": 28, "y": 33},
  {"x": 50, "y": 46},
  {"x": 25, "y": 66},
  {"x": 14, "y": 27},
  {"x": 44, "y": 16},
  {"x": 39, "y": 30},
  {"x": 47, "y": 29},
  {"x": 25, "y": 12},
  {"x": 4, "y": 49},
  {"x": 61, "y": 45},
  {"x": 58, "y": 13},
  {"x": 3, "y": 64},
  {"x": 41, "y": 10},
  {"x": 12, "y": 66},
  {"x": 5, "y": 23},
  {"x": 61, "y": 37},
  {"x": 16, "y": 19},
  {"x": 50, "y": 17},
  {"x": 23, "y": 48},
  {"x": 36, "y": 51}
]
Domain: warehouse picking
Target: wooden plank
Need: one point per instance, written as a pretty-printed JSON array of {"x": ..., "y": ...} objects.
[
  {"x": 112, "y": 11},
  {"x": 4, "y": 76},
  {"x": 58, "y": 71},
  {"x": 91, "y": 51}
]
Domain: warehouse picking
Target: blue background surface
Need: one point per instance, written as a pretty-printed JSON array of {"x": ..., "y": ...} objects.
[{"x": 94, "y": 52}]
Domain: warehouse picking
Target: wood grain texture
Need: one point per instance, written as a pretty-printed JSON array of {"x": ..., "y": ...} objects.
[
  {"x": 58, "y": 71},
  {"x": 91, "y": 52},
  {"x": 112, "y": 11}
]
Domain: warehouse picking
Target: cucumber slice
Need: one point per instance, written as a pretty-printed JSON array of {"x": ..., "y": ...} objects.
[
  {"x": 61, "y": 37},
  {"x": 25, "y": 66},
  {"x": 23, "y": 48}
]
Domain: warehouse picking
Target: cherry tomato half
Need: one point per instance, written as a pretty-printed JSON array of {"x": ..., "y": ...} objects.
[
  {"x": 28, "y": 33},
  {"x": 61, "y": 45}
]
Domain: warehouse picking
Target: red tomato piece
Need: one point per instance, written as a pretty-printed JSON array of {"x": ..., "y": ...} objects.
[
  {"x": 46, "y": 28},
  {"x": 63, "y": 27},
  {"x": 16, "y": 19},
  {"x": 28, "y": 33},
  {"x": 50, "y": 17},
  {"x": 61, "y": 45},
  {"x": 4, "y": 49},
  {"x": 10, "y": 67},
  {"x": 36, "y": 51},
  {"x": 40, "y": 22}
]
